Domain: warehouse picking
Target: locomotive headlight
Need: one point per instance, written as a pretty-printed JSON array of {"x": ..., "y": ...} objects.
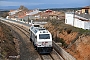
[
  {"x": 50, "y": 46},
  {"x": 46, "y": 42}
]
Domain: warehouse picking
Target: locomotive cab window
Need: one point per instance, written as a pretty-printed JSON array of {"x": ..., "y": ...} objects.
[
  {"x": 31, "y": 27},
  {"x": 44, "y": 36},
  {"x": 36, "y": 26}
]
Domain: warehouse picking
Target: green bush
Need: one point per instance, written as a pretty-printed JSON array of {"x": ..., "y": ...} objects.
[{"x": 60, "y": 40}]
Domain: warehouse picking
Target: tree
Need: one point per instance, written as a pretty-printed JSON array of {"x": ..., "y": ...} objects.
[{"x": 5, "y": 14}]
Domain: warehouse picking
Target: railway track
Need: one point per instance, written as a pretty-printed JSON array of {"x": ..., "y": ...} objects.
[{"x": 52, "y": 56}]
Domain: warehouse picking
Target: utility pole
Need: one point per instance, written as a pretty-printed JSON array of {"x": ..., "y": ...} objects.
[
  {"x": 73, "y": 17},
  {"x": 28, "y": 19},
  {"x": 56, "y": 35}
]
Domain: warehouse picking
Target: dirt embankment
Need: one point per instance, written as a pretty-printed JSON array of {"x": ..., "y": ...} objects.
[
  {"x": 77, "y": 40},
  {"x": 7, "y": 44}
]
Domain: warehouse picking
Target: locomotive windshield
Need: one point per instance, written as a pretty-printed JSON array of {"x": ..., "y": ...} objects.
[
  {"x": 44, "y": 36},
  {"x": 36, "y": 26}
]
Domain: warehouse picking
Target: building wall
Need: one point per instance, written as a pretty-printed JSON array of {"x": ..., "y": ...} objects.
[
  {"x": 69, "y": 19},
  {"x": 53, "y": 17},
  {"x": 79, "y": 23},
  {"x": 89, "y": 11},
  {"x": 34, "y": 12},
  {"x": 83, "y": 10},
  {"x": 87, "y": 25}
]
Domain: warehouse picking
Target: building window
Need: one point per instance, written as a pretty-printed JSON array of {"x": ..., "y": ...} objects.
[{"x": 86, "y": 11}]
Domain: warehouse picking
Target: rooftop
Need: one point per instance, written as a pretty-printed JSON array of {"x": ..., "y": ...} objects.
[
  {"x": 84, "y": 15},
  {"x": 87, "y": 7}
]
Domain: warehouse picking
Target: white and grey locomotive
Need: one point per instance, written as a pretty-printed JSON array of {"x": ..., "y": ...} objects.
[{"x": 41, "y": 39}]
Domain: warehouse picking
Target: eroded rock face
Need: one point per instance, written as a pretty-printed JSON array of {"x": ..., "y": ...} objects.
[
  {"x": 1, "y": 33},
  {"x": 65, "y": 35},
  {"x": 7, "y": 45},
  {"x": 23, "y": 8},
  {"x": 68, "y": 37},
  {"x": 80, "y": 49},
  {"x": 83, "y": 48}
]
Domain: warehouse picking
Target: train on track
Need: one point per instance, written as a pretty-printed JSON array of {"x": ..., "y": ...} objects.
[{"x": 41, "y": 39}]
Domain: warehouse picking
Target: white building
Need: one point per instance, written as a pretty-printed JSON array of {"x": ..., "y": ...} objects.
[
  {"x": 7, "y": 17},
  {"x": 14, "y": 12},
  {"x": 80, "y": 20},
  {"x": 33, "y": 12}
]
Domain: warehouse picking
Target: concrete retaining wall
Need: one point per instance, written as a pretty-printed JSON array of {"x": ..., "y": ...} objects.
[{"x": 63, "y": 53}]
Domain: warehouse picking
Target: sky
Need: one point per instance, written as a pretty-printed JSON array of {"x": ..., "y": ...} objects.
[{"x": 43, "y": 4}]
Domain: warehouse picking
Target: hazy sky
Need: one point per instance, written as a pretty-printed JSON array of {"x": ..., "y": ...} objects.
[{"x": 32, "y": 4}]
